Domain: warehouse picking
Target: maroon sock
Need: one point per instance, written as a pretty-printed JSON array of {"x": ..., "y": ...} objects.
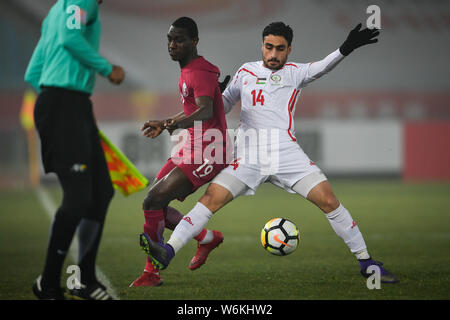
[
  {"x": 154, "y": 227},
  {"x": 154, "y": 224}
]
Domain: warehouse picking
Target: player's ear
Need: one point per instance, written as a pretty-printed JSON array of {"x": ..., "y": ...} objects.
[
  {"x": 195, "y": 41},
  {"x": 289, "y": 50}
]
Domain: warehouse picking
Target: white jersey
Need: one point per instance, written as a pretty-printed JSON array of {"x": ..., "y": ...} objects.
[{"x": 268, "y": 98}]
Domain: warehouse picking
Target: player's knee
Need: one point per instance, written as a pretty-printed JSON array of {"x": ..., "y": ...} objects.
[
  {"x": 148, "y": 202},
  {"x": 212, "y": 200},
  {"x": 208, "y": 201},
  {"x": 154, "y": 200},
  {"x": 329, "y": 203}
]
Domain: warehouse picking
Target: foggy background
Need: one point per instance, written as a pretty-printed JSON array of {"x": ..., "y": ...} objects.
[{"x": 384, "y": 111}]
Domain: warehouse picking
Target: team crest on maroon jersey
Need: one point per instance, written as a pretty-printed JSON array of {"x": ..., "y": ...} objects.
[{"x": 184, "y": 90}]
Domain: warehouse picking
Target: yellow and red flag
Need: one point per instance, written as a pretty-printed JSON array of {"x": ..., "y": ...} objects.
[
  {"x": 26, "y": 112},
  {"x": 124, "y": 175},
  {"x": 27, "y": 121}
]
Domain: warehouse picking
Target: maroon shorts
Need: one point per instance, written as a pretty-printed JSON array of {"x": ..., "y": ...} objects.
[{"x": 198, "y": 173}]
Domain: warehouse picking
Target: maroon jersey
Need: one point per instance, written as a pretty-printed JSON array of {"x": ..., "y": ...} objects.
[
  {"x": 206, "y": 150},
  {"x": 200, "y": 78}
]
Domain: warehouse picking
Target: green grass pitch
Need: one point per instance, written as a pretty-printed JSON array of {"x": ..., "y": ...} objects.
[{"x": 407, "y": 226}]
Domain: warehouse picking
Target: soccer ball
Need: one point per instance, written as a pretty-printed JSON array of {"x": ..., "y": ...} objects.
[{"x": 280, "y": 236}]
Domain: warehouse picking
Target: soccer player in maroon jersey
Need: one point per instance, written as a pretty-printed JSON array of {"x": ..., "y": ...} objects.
[{"x": 199, "y": 160}]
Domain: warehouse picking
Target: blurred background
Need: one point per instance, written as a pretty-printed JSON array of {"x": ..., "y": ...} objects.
[
  {"x": 384, "y": 111},
  {"x": 380, "y": 120}
]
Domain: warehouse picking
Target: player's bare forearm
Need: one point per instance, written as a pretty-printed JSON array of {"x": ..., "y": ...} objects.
[
  {"x": 200, "y": 114},
  {"x": 204, "y": 112},
  {"x": 178, "y": 117},
  {"x": 169, "y": 123}
]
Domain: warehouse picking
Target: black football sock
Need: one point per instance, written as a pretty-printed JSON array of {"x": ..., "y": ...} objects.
[
  {"x": 89, "y": 235},
  {"x": 61, "y": 233}
]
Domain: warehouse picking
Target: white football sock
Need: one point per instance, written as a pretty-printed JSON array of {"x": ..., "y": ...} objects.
[
  {"x": 362, "y": 255},
  {"x": 189, "y": 226},
  {"x": 345, "y": 227}
]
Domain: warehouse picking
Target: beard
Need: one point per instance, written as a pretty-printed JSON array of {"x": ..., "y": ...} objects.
[{"x": 274, "y": 64}]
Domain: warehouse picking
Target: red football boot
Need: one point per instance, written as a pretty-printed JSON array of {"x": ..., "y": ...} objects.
[
  {"x": 147, "y": 279},
  {"x": 203, "y": 250}
]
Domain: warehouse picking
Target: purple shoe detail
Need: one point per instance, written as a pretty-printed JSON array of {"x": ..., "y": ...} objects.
[
  {"x": 160, "y": 253},
  {"x": 386, "y": 276}
]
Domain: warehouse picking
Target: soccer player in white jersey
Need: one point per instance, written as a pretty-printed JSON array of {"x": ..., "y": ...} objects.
[{"x": 268, "y": 91}]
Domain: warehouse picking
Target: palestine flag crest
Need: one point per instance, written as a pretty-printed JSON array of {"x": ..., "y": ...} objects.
[{"x": 261, "y": 81}]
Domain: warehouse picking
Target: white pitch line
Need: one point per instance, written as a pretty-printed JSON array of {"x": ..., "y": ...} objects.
[{"x": 50, "y": 209}]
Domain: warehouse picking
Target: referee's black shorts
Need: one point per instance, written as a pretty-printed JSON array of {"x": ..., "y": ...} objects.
[
  {"x": 67, "y": 129},
  {"x": 71, "y": 147}
]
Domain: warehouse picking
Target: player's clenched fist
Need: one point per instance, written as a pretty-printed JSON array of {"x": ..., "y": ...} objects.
[
  {"x": 117, "y": 75},
  {"x": 152, "y": 128}
]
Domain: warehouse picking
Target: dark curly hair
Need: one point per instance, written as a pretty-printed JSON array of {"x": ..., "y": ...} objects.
[
  {"x": 279, "y": 29},
  {"x": 187, "y": 24}
]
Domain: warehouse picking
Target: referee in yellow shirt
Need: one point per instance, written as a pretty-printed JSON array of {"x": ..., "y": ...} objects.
[{"x": 62, "y": 69}]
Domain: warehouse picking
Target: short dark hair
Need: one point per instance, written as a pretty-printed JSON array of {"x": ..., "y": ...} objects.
[
  {"x": 187, "y": 24},
  {"x": 279, "y": 29}
]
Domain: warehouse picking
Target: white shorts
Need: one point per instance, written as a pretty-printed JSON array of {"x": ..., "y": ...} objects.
[{"x": 286, "y": 171}]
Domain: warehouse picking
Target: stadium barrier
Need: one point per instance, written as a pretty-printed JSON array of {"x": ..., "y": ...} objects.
[{"x": 426, "y": 150}]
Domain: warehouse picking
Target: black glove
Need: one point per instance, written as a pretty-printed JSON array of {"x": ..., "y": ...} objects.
[
  {"x": 223, "y": 84},
  {"x": 357, "y": 38}
]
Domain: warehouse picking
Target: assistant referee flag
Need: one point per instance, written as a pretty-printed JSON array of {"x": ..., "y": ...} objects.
[{"x": 124, "y": 175}]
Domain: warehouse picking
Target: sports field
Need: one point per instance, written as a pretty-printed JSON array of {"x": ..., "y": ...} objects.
[{"x": 407, "y": 226}]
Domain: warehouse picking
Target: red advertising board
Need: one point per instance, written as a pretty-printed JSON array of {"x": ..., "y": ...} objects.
[{"x": 426, "y": 150}]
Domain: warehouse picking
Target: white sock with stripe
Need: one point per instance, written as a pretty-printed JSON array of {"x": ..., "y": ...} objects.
[
  {"x": 190, "y": 226},
  {"x": 345, "y": 227}
]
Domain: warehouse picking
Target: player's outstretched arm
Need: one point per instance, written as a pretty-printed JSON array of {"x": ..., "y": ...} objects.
[
  {"x": 317, "y": 69},
  {"x": 358, "y": 38}
]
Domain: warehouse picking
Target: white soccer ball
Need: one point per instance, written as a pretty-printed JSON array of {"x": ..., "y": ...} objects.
[{"x": 280, "y": 236}]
